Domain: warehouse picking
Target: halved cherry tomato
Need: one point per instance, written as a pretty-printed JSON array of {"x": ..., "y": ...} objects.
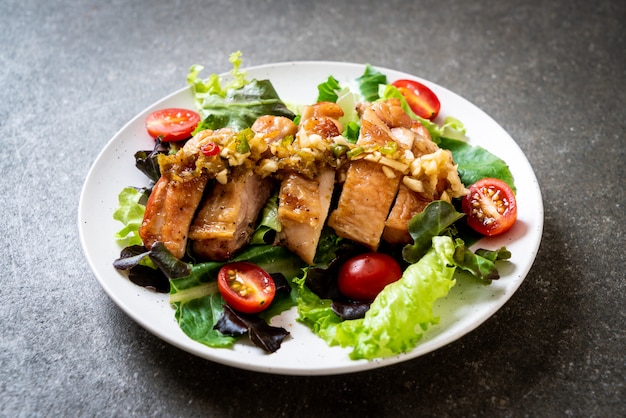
[
  {"x": 172, "y": 124},
  {"x": 246, "y": 287},
  {"x": 362, "y": 277},
  {"x": 490, "y": 206},
  {"x": 422, "y": 101}
]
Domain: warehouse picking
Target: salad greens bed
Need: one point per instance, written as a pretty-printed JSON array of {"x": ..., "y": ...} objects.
[{"x": 396, "y": 320}]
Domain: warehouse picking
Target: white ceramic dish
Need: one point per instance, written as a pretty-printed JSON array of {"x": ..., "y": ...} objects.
[{"x": 466, "y": 307}]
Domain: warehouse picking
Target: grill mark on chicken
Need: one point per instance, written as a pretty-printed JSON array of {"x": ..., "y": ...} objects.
[{"x": 368, "y": 192}]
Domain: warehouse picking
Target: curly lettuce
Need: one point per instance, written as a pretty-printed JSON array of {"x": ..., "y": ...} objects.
[
  {"x": 213, "y": 85},
  {"x": 398, "y": 317},
  {"x": 130, "y": 213}
]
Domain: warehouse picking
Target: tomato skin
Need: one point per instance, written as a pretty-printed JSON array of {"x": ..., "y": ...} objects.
[
  {"x": 210, "y": 149},
  {"x": 421, "y": 99},
  {"x": 490, "y": 207},
  {"x": 172, "y": 124},
  {"x": 246, "y": 287},
  {"x": 362, "y": 277}
]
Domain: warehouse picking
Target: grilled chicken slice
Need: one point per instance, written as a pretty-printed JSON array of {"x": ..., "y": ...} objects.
[
  {"x": 364, "y": 203},
  {"x": 368, "y": 191},
  {"x": 304, "y": 202},
  {"x": 175, "y": 198},
  {"x": 320, "y": 113},
  {"x": 303, "y": 208},
  {"x": 408, "y": 203},
  {"x": 228, "y": 215},
  {"x": 169, "y": 213}
]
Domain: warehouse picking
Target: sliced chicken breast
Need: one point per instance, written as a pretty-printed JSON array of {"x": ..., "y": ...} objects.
[
  {"x": 408, "y": 203},
  {"x": 369, "y": 191},
  {"x": 174, "y": 199},
  {"x": 227, "y": 216},
  {"x": 303, "y": 208},
  {"x": 304, "y": 201}
]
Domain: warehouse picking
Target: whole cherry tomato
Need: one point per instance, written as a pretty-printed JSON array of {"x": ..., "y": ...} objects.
[{"x": 362, "y": 277}]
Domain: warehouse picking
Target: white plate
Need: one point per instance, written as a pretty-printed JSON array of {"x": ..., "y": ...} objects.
[{"x": 465, "y": 308}]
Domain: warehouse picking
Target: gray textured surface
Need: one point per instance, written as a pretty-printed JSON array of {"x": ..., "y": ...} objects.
[{"x": 552, "y": 73}]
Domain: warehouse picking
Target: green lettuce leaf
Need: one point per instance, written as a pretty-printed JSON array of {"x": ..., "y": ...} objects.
[
  {"x": 480, "y": 264},
  {"x": 432, "y": 221},
  {"x": 368, "y": 83},
  {"x": 476, "y": 163},
  {"x": 327, "y": 91},
  {"x": 234, "y": 101},
  {"x": 197, "y": 316},
  {"x": 268, "y": 223},
  {"x": 213, "y": 85},
  {"x": 129, "y": 212},
  {"x": 239, "y": 108},
  {"x": 399, "y": 315}
]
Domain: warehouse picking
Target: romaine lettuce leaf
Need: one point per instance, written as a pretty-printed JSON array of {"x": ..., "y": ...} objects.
[{"x": 399, "y": 315}]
